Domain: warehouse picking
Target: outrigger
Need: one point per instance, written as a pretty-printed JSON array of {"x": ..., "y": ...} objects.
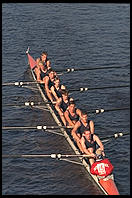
[{"x": 107, "y": 184}]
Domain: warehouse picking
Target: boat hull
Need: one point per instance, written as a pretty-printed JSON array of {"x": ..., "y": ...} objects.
[
  {"x": 101, "y": 183},
  {"x": 109, "y": 186}
]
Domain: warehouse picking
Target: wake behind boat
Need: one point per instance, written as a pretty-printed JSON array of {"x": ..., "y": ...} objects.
[{"x": 106, "y": 184}]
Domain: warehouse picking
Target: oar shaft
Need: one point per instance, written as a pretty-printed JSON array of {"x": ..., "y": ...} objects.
[
  {"x": 117, "y": 109},
  {"x": 39, "y": 104},
  {"x": 20, "y": 83},
  {"x": 81, "y": 89},
  {"x": 18, "y": 127},
  {"x": 85, "y": 69},
  {"x": 54, "y": 155},
  {"x": 97, "y": 111},
  {"x": 31, "y": 103},
  {"x": 39, "y": 127},
  {"x": 28, "y": 104},
  {"x": 26, "y": 155},
  {"x": 116, "y": 135}
]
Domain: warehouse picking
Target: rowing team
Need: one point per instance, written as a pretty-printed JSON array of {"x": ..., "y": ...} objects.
[{"x": 82, "y": 128}]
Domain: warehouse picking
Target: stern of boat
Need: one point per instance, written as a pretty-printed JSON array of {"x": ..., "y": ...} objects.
[{"x": 109, "y": 185}]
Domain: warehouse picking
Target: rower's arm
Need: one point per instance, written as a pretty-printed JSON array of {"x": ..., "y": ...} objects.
[
  {"x": 37, "y": 72},
  {"x": 100, "y": 144},
  {"x": 85, "y": 150},
  {"x": 48, "y": 64},
  {"x": 54, "y": 93},
  {"x": 84, "y": 146},
  {"x": 78, "y": 111},
  {"x": 66, "y": 114},
  {"x": 37, "y": 60},
  {"x": 91, "y": 126},
  {"x": 48, "y": 91},
  {"x": 74, "y": 131},
  {"x": 60, "y": 111},
  {"x": 58, "y": 103}
]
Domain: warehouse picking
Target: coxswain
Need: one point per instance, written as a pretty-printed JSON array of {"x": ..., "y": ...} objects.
[
  {"x": 49, "y": 82},
  {"x": 80, "y": 126},
  {"x": 89, "y": 145},
  {"x": 62, "y": 104},
  {"x": 102, "y": 167},
  {"x": 72, "y": 114},
  {"x": 56, "y": 89},
  {"x": 44, "y": 59}
]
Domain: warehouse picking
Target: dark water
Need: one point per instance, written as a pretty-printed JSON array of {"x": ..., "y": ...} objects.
[{"x": 74, "y": 35}]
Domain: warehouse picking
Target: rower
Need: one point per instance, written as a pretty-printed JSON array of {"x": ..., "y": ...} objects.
[
  {"x": 44, "y": 59},
  {"x": 49, "y": 82},
  {"x": 40, "y": 72},
  {"x": 62, "y": 104},
  {"x": 89, "y": 145},
  {"x": 56, "y": 88},
  {"x": 80, "y": 126},
  {"x": 72, "y": 114}
]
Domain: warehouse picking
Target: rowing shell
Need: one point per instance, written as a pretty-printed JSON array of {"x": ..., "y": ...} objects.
[{"x": 107, "y": 184}]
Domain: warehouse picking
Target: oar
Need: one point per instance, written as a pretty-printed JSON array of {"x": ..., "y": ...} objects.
[
  {"x": 97, "y": 111},
  {"x": 30, "y": 103},
  {"x": 115, "y": 135},
  {"x": 39, "y": 104},
  {"x": 21, "y": 83},
  {"x": 45, "y": 155},
  {"x": 81, "y": 89},
  {"x": 39, "y": 127},
  {"x": 91, "y": 68}
]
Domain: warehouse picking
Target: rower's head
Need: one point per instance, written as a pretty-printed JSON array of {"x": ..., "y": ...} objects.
[
  {"x": 51, "y": 73},
  {"x": 71, "y": 106},
  {"x": 84, "y": 116},
  {"x": 48, "y": 64},
  {"x": 44, "y": 56},
  {"x": 87, "y": 134},
  {"x": 64, "y": 94},
  {"x": 41, "y": 65},
  {"x": 57, "y": 81}
]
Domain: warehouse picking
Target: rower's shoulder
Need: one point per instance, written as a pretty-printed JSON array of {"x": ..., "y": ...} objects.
[
  {"x": 78, "y": 123},
  {"x": 90, "y": 122},
  {"x": 59, "y": 101},
  {"x": 95, "y": 137},
  {"x": 47, "y": 78},
  {"x": 66, "y": 113},
  {"x": 48, "y": 60},
  {"x": 36, "y": 69},
  {"x": 52, "y": 87},
  {"x": 37, "y": 59},
  {"x": 83, "y": 139},
  {"x": 63, "y": 87},
  {"x": 78, "y": 111}
]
